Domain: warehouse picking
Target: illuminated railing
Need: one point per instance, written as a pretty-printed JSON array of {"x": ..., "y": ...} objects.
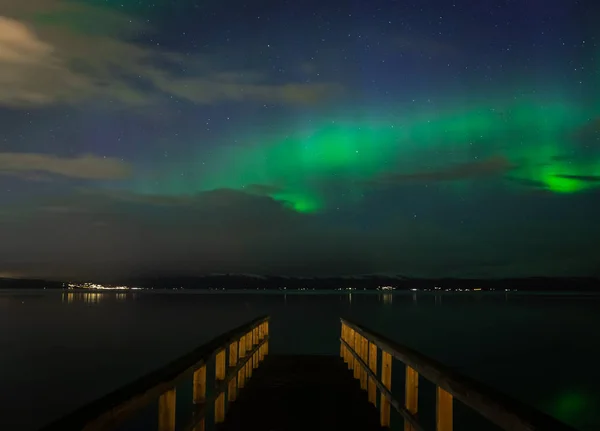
[
  {"x": 360, "y": 349},
  {"x": 235, "y": 355}
]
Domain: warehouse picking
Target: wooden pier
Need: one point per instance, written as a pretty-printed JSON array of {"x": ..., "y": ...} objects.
[{"x": 237, "y": 385}]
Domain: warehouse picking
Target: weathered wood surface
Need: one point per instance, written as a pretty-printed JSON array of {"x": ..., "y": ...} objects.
[
  {"x": 302, "y": 393},
  {"x": 112, "y": 409},
  {"x": 505, "y": 412}
]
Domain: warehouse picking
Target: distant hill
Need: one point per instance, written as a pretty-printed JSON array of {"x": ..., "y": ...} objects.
[
  {"x": 17, "y": 283},
  {"x": 253, "y": 282},
  {"x": 236, "y": 281}
]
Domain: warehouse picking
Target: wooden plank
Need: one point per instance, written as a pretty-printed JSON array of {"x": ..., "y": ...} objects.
[
  {"x": 411, "y": 397},
  {"x": 219, "y": 409},
  {"x": 443, "y": 419},
  {"x": 200, "y": 426},
  {"x": 302, "y": 393},
  {"x": 117, "y": 406},
  {"x": 356, "y": 348},
  {"x": 373, "y": 367},
  {"x": 507, "y": 413},
  {"x": 387, "y": 394},
  {"x": 386, "y": 379},
  {"x": 342, "y": 352},
  {"x": 221, "y": 387},
  {"x": 249, "y": 341},
  {"x": 364, "y": 355},
  {"x": 233, "y": 353},
  {"x": 241, "y": 377},
  {"x": 220, "y": 365},
  {"x": 199, "y": 385},
  {"x": 166, "y": 411},
  {"x": 232, "y": 390}
]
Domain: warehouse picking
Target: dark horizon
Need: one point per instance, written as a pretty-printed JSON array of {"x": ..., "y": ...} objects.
[{"x": 369, "y": 282}]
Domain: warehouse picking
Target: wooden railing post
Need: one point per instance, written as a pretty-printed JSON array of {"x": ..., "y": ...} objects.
[
  {"x": 386, "y": 379},
  {"x": 266, "y": 345},
  {"x": 350, "y": 342},
  {"x": 233, "y": 357},
  {"x": 356, "y": 348},
  {"x": 443, "y": 410},
  {"x": 343, "y": 335},
  {"x": 249, "y": 345},
  {"x": 242, "y": 353},
  {"x": 411, "y": 395},
  {"x": 373, "y": 366},
  {"x": 199, "y": 389},
  {"x": 166, "y": 411},
  {"x": 199, "y": 392},
  {"x": 364, "y": 355},
  {"x": 220, "y": 371},
  {"x": 256, "y": 341}
]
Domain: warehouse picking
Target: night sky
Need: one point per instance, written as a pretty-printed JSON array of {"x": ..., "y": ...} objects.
[{"x": 425, "y": 138}]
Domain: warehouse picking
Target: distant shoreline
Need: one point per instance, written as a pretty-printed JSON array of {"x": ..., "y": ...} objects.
[
  {"x": 372, "y": 292},
  {"x": 243, "y": 283}
]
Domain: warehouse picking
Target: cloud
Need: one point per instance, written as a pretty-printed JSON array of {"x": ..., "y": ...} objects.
[
  {"x": 101, "y": 235},
  {"x": 30, "y": 73},
  {"x": 63, "y": 52},
  {"x": 582, "y": 178},
  {"x": 490, "y": 167},
  {"x": 526, "y": 182},
  {"x": 263, "y": 189},
  {"x": 85, "y": 167},
  {"x": 211, "y": 88}
]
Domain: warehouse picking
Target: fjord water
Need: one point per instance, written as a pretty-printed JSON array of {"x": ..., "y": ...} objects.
[{"x": 59, "y": 350}]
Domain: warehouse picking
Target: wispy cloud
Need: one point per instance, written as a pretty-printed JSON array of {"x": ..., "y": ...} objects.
[
  {"x": 582, "y": 178},
  {"x": 84, "y": 167},
  {"x": 47, "y": 55},
  {"x": 489, "y": 167}
]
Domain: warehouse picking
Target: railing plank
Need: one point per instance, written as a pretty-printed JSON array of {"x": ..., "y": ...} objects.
[
  {"x": 112, "y": 409},
  {"x": 386, "y": 379},
  {"x": 505, "y": 412},
  {"x": 364, "y": 355},
  {"x": 386, "y": 392},
  {"x": 356, "y": 348},
  {"x": 411, "y": 396},
  {"x": 166, "y": 411},
  {"x": 443, "y": 409},
  {"x": 199, "y": 385},
  {"x": 373, "y": 367},
  {"x": 222, "y": 385}
]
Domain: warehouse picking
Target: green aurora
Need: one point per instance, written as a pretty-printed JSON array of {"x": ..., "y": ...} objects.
[{"x": 548, "y": 145}]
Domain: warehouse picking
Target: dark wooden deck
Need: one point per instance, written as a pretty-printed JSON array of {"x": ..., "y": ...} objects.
[
  {"x": 253, "y": 390},
  {"x": 302, "y": 393}
]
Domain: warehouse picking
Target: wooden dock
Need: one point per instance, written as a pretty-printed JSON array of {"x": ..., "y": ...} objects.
[
  {"x": 281, "y": 396},
  {"x": 249, "y": 389}
]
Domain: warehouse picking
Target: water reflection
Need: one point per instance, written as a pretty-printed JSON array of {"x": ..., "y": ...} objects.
[
  {"x": 387, "y": 298},
  {"x": 96, "y": 297}
]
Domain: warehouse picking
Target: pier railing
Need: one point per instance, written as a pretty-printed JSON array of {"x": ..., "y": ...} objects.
[
  {"x": 235, "y": 354},
  {"x": 360, "y": 350}
]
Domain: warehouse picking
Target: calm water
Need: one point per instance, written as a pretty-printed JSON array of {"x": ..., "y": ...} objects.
[{"x": 58, "y": 351}]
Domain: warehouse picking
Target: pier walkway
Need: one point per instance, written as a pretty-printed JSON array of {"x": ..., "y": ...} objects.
[{"x": 233, "y": 383}]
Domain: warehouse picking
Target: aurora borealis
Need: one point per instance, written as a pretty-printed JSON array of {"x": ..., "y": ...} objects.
[
  {"x": 431, "y": 139},
  {"x": 536, "y": 137}
]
